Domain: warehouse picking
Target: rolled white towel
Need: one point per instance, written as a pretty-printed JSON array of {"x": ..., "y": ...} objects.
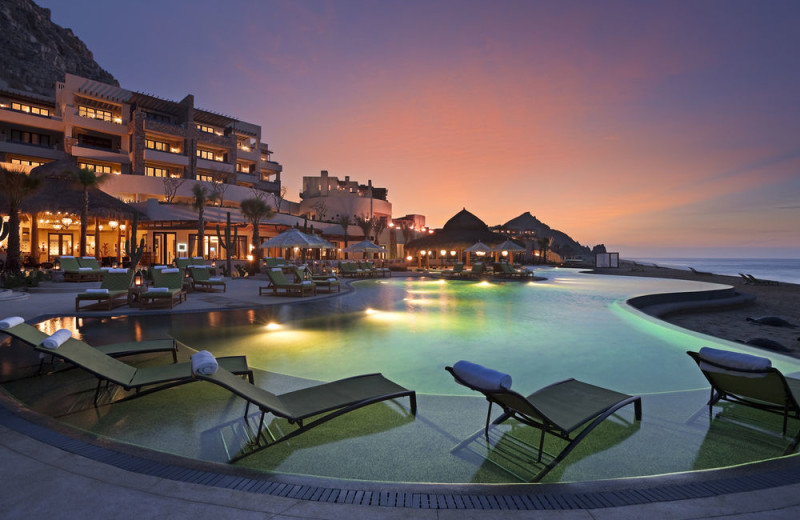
[
  {"x": 306, "y": 282},
  {"x": 169, "y": 271},
  {"x": 332, "y": 280},
  {"x": 276, "y": 269},
  {"x": 197, "y": 258},
  {"x": 158, "y": 289},
  {"x": 66, "y": 256},
  {"x": 159, "y": 267},
  {"x": 84, "y": 269},
  {"x": 106, "y": 269},
  {"x": 481, "y": 377},
  {"x": 55, "y": 341},
  {"x": 88, "y": 257},
  {"x": 215, "y": 279},
  {"x": 118, "y": 270},
  {"x": 97, "y": 291},
  {"x": 11, "y": 321},
  {"x": 204, "y": 363}
]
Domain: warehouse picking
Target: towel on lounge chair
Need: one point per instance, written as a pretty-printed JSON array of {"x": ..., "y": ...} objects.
[
  {"x": 482, "y": 377},
  {"x": 169, "y": 270},
  {"x": 215, "y": 279},
  {"x": 11, "y": 321},
  {"x": 57, "y": 339},
  {"x": 158, "y": 289},
  {"x": 97, "y": 291},
  {"x": 118, "y": 270},
  {"x": 710, "y": 358},
  {"x": 204, "y": 363},
  {"x": 85, "y": 269}
]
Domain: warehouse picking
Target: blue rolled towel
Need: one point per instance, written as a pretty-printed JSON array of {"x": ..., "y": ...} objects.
[
  {"x": 11, "y": 321},
  {"x": 204, "y": 363},
  {"x": 482, "y": 378},
  {"x": 54, "y": 341}
]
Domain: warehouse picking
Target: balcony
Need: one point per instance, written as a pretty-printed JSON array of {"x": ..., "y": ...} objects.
[
  {"x": 269, "y": 186},
  {"x": 166, "y": 157},
  {"x": 100, "y": 154},
  {"x": 31, "y": 150},
  {"x": 246, "y": 178},
  {"x": 98, "y": 125},
  {"x": 214, "y": 165},
  {"x": 17, "y": 117},
  {"x": 165, "y": 128},
  {"x": 271, "y": 166},
  {"x": 248, "y": 155}
]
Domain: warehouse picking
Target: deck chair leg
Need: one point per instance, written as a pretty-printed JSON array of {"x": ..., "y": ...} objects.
[
  {"x": 541, "y": 446},
  {"x": 488, "y": 418}
]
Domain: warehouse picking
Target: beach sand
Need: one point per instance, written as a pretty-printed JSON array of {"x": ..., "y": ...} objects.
[{"x": 782, "y": 301}]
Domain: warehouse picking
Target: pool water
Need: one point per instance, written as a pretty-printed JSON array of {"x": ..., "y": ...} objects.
[{"x": 570, "y": 325}]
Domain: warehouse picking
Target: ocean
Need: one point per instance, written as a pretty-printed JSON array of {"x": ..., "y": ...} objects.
[{"x": 781, "y": 270}]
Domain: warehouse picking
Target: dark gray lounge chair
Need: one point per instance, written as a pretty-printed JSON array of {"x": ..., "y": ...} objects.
[
  {"x": 327, "y": 400},
  {"x": 750, "y": 381},
  {"x": 111, "y": 370},
  {"x": 560, "y": 409}
]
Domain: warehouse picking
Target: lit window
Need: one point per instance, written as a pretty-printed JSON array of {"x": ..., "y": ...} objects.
[
  {"x": 30, "y": 109},
  {"x": 97, "y": 168},
  {"x": 156, "y": 145}
]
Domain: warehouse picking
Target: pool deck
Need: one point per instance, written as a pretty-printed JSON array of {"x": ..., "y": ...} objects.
[{"x": 49, "y": 473}]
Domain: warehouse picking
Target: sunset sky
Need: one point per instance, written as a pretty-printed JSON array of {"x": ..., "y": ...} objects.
[{"x": 657, "y": 128}]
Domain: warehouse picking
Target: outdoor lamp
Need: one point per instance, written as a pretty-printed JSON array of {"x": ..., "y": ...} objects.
[
  {"x": 452, "y": 253},
  {"x": 113, "y": 224},
  {"x": 138, "y": 279},
  {"x": 443, "y": 252},
  {"x": 409, "y": 258},
  {"x": 422, "y": 253},
  {"x": 504, "y": 253}
]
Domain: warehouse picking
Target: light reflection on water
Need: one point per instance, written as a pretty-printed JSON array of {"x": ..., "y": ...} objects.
[{"x": 573, "y": 325}]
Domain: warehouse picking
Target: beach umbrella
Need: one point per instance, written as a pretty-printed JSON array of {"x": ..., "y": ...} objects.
[
  {"x": 477, "y": 247},
  {"x": 295, "y": 238},
  {"x": 508, "y": 245},
  {"x": 365, "y": 246}
]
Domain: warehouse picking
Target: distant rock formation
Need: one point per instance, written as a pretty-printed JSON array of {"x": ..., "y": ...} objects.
[
  {"x": 561, "y": 243},
  {"x": 36, "y": 53}
]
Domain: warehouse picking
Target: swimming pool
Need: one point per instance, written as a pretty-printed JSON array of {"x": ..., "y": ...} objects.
[{"x": 571, "y": 325}]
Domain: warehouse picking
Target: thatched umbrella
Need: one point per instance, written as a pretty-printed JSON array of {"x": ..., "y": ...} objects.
[
  {"x": 458, "y": 233},
  {"x": 295, "y": 238},
  {"x": 59, "y": 194}
]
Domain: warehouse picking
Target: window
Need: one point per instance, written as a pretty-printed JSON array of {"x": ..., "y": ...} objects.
[
  {"x": 205, "y": 128},
  {"x": 205, "y": 178},
  {"x": 20, "y": 136},
  {"x": 156, "y": 145},
  {"x": 95, "y": 141},
  {"x": 208, "y": 155},
  {"x": 30, "y": 109},
  {"x": 151, "y": 171},
  {"x": 96, "y": 113},
  {"x": 152, "y": 116},
  {"x": 25, "y": 162},
  {"x": 97, "y": 168}
]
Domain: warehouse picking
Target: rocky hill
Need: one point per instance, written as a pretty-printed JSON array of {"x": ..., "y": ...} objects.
[
  {"x": 36, "y": 52},
  {"x": 562, "y": 243}
]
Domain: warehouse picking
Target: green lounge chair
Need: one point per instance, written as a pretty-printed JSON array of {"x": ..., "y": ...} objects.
[
  {"x": 351, "y": 270},
  {"x": 560, "y": 409},
  {"x": 323, "y": 402},
  {"x": 327, "y": 282},
  {"x": 183, "y": 262},
  {"x": 73, "y": 272},
  {"x": 280, "y": 285},
  {"x": 203, "y": 281},
  {"x": 455, "y": 272},
  {"x": 110, "y": 370},
  {"x": 33, "y": 337},
  {"x": 89, "y": 261},
  {"x": 476, "y": 271},
  {"x": 751, "y": 381},
  {"x": 167, "y": 289},
  {"x": 113, "y": 289}
]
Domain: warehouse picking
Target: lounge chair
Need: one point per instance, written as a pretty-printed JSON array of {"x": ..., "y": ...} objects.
[
  {"x": 73, "y": 272},
  {"x": 751, "y": 381},
  {"x": 695, "y": 271},
  {"x": 110, "y": 370},
  {"x": 183, "y": 262},
  {"x": 323, "y": 402},
  {"x": 32, "y": 336},
  {"x": 747, "y": 280},
  {"x": 455, "y": 272},
  {"x": 370, "y": 270},
  {"x": 113, "y": 289},
  {"x": 351, "y": 270},
  {"x": 280, "y": 285},
  {"x": 167, "y": 289},
  {"x": 476, "y": 271},
  {"x": 328, "y": 282},
  {"x": 559, "y": 409},
  {"x": 203, "y": 281},
  {"x": 759, "y": 281}
]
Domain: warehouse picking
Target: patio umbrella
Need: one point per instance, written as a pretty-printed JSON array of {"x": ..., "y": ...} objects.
[
  {"x": 365, "y": 246},
  {"x": 296, "y": 238},
  {"x": 478, "y": 247},
  {"x": 508, "y": 245}
]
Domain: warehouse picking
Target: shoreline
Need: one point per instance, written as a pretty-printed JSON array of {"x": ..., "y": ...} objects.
[{"x": 731, "y": 324}]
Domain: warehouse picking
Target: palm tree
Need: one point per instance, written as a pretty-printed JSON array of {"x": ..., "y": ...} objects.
[
  {"x": 366, "y": 225},
  {"x": 17, "y": 186},
  {"x": 87, "y": 180},
  {"x": 201, "y": 195},
  {"x": 344, "y": 221},
  {"x": 255, "y": 210},
  {"x": 544, "y": 243}
]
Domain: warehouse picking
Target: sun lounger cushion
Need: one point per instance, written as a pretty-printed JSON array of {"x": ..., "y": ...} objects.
[
  {"x": 733, "y": 360},
  {"x": 204, "y": 363},
  {"x": 158, "y": 289},
  {"x": 11, "y": 321},
  {"x": 56, "y": 339},
  {"x": 118, "y": 270},
  {"x": 482, "y": 378},
  {"x": 97, "y": 291}
]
